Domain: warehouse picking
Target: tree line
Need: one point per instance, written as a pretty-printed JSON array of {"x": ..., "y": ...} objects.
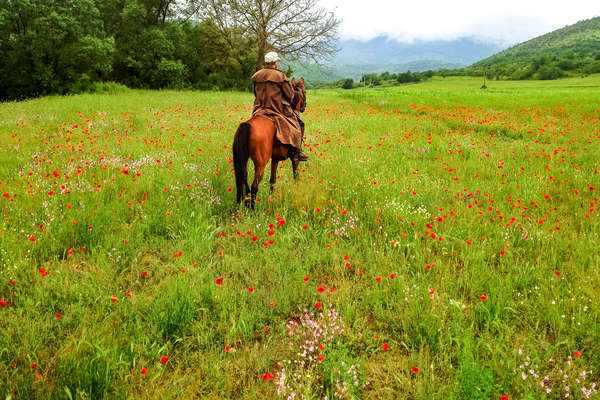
[
  {"x": 74, "y": 46},
  {"x": 541, "y": 67},
  {"x": 375, "y": 79},
  {"x": 544, "y": 67}
]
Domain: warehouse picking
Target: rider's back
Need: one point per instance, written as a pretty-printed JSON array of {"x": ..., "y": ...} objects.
[{"x": 273, "y": 92}]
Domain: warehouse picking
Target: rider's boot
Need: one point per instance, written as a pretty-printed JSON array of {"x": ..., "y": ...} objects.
[{"x": 300, "y": 156}]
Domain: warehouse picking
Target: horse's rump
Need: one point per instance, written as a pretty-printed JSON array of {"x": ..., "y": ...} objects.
[{"x": 287, "y": 128}]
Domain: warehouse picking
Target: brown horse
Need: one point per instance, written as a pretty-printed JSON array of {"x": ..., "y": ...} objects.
[{"x": 256, "y": 139}]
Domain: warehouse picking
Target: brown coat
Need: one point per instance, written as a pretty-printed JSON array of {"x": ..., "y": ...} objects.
[{"x": 273, "y": 95}]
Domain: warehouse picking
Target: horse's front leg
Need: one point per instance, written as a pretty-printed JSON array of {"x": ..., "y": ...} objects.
[
  {"x": 295, "y": 168},
  {"x": 273, "y": 179}
]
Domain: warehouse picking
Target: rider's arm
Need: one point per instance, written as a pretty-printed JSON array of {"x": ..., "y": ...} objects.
[{"x": 287, "y": 90}]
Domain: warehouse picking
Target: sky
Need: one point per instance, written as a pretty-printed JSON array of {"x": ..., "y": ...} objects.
[{"x": 502, "y": 21}]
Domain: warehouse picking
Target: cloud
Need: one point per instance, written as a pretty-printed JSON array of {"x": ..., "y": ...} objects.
[{"x": 505, "y": 22}]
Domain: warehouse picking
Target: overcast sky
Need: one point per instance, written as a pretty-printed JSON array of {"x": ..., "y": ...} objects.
[{"x": 501, "y": 21}]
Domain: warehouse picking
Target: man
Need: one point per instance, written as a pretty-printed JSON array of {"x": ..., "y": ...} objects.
[{"x": 273, "y": 94}]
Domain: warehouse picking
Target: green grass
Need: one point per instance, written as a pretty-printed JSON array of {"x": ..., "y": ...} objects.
[{"x": 439, "y": 227}]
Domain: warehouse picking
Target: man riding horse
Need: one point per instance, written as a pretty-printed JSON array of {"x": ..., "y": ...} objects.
[{"x": 273, "y": 97}]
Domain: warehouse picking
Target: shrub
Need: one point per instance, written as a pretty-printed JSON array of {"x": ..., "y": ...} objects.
[{"x": 348, "y": 84}]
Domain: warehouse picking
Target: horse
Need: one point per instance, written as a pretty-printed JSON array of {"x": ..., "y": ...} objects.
[{"x": 256, "y": 139}]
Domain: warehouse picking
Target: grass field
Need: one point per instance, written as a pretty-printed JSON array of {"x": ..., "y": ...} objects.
[{"x": 440, "y": 243}]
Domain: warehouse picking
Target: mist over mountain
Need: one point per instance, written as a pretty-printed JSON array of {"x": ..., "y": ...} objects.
[
  {"x": 382, "y": 50},
  {"x": 382, "y": 54}
]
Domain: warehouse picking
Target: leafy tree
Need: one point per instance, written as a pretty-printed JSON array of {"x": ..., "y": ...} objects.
[
  {"x": 49, "y": 46},
  {"x": 370, "y": 79},
  {"x": 297, "y": 28},
  {"x": 547, "y": 72},
  {"x": 348, "y": 84}
]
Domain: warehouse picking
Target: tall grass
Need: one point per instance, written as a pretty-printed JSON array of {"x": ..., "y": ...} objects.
[{"x": 450, "y": 232}]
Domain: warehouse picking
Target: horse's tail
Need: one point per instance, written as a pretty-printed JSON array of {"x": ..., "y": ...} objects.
[{"x": 240, "y": 159}]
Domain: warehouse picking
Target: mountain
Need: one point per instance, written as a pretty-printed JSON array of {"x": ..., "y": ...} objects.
[
  {"x": 382, "y": 50},
  {"x": 582, "y": 37},
  {"x": 572, "y": 50},
  {"x": 382, "y": 54},
  {"x": 311, "y": 72}
]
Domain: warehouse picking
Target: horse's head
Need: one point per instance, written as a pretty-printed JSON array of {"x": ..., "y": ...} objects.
[{"x": 299, "y": 100}]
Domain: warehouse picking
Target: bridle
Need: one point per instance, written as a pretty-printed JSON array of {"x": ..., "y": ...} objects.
[{"x": 299, "y": 98}]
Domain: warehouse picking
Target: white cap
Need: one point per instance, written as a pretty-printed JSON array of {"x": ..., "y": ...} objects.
[{"x": 271, "y": 57}]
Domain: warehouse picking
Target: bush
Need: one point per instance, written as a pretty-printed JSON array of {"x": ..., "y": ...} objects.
[
  {"x": 82, "y": 85},
  {"x": 171, "y": 74},
  {"x": 348, "y": 84},
  {"x": 547, "y": 72},
  {"x": 110, "y": 88}
]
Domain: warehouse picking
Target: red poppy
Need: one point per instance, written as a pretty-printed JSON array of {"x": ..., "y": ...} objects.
[
  {"x": 251, "y": 289},
  {"x": 219, "y": 281},
  {"x": 414, "y": 369},
  {"x": 3, "y": 303},
  {"x": 318, "y": 305},
  {"x": 385, "y": 347},
  {"x": 483, "y": 297},
  {"x": 321, "y": 357},
  {"x": 267, "y": 376},
  {"x": 576, "y": 353},
  {"x": 144, "y": 371},
  {"x": 164, "y": 359},
  {"x": 320, "y": 289},
  {"x": 58, "y": 316}
]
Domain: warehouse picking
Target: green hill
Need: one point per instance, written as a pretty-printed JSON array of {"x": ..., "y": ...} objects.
[
  {"x": 571, "y": 51},
  {"x": 582, "y": 37}
]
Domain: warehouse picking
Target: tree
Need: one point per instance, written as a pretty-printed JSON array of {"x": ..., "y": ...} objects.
[
  {"x": 51, "y": 46},
  {"x": 348, "y": 84},
  {"x": 297, "y": 28}
]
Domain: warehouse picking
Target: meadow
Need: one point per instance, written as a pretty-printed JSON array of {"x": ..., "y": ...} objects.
[{"x": 440, "y": 243}]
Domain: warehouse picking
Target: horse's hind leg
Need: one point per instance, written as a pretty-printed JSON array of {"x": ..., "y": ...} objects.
[
  {"x": 273, "y": 174},
  {"x": 259, "y": 171}
]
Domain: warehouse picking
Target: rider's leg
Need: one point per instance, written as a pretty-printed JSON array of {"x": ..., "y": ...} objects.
[{"x": 299, "y": 154}]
